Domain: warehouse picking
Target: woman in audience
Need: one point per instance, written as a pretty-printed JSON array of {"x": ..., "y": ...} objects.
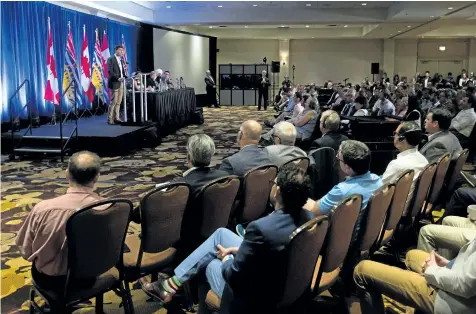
[
  {"x": 402, "y": 107},
  {"x": 413, "y": 111},
  {"x": 306, "y": 121},
  {"x": 396, "y": 79}
]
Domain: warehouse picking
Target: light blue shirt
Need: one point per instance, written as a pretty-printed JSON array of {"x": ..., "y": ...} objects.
[
  {"x": 290, "y": 106},
  {"x": 364, "y": 185}
]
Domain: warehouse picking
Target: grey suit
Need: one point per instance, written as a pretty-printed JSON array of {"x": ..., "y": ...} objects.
[
  {"x": 280, "y": 154},
  {"x": 440, "y": 144},
  {"x": 247, "y": 158}
]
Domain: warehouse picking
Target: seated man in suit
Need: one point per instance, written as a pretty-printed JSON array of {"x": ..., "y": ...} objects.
[
  {"x": 200, "y": 150},
  {"x": 440, "y": 140},
  {"x": 151, "y": 81},
  {"x": 250, "y": 154},
  {"x": 329, "y": 126},
  {"x": 354, "y": 158},
  {"x": 432, "y": 284},
  {"x": 283, "y": 150},
  {"x": 245, "y": 264}
]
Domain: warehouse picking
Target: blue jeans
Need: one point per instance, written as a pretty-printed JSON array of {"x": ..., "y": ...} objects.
[{"x": 205, "y": 256}]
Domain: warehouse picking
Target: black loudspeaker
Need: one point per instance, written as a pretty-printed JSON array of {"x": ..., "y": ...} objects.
[
  {"x": 275, "y": 66},
  {"x": 375, "y": 68}
]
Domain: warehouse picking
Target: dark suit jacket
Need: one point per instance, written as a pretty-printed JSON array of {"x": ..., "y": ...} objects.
[
  {"x": 247, "y": 158},
  {"x": 114, "y": 72},
  {"x": 331, "y": 139},
  {"x": 259, "y": 260},
  {"x": 149, "y": 82},
  {"x": 264, "y": 86},
  {"x": 198, "y": 177},
  {"x": 209, "y": 82}
]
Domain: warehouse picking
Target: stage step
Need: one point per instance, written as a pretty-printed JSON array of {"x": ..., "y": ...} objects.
[
  {"x": 42, "y": 137},
  {"x": 46, "y": 150}
]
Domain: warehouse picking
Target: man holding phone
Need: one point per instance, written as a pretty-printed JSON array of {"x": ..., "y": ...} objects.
[{"x": 117, "y": 75}]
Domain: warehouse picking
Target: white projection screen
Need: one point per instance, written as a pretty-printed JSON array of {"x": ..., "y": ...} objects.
[{"x": 183, "y": 55}]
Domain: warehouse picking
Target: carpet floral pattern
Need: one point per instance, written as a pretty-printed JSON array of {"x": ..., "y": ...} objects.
[{"x": 27, "y": 182}]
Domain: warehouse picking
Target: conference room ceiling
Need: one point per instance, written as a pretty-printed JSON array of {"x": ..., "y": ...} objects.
[{"x": 321, "y": 19}]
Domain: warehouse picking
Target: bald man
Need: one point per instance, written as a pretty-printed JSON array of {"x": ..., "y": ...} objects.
[
  {"x": 250, "y": 155},
  {"x": 42, "y": 238}
]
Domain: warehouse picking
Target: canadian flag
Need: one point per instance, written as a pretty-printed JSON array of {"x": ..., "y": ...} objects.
[
  {"x": 105, "y": 54},
  {"x": 86, "y": 69},
  {"x": 51, "y": 91}
]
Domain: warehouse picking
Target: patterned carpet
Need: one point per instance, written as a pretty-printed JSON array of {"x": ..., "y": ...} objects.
[{"x": 26, "y": 182}]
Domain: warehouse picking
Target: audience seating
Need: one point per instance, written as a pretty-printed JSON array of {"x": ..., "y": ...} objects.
[
  {"x": 303, "y": 249},
  {"x": 256, "y": 187},
  {"x": 300, "y": 162},
  {"x": 329, "y": 264},
  {"x": 371, "y": 223},
  {"x": 324, "y": 173},
  {"x": 454, "y": 172},
  {"x": 161, "y": 212},
  {"x": 94, "y": 254},
  {"x": 403, "y": 184},
  {"x": 422, "y": 188},
  {"x": 434, "y": 195}
]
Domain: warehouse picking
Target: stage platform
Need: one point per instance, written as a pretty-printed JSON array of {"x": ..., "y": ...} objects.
[{"x": 94, "y": 134}]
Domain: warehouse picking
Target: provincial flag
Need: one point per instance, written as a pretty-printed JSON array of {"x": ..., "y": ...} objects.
[
  {"x": 71, "y": 73},
  {"x": 51, "y": 91},
  {"x": 124, "y": 57},
  {"x": 98, "y": 79},
  {"x": 86, "y": 69}
]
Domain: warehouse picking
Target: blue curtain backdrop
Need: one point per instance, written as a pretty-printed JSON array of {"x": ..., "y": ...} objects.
[{"x": 24, "y": 30}]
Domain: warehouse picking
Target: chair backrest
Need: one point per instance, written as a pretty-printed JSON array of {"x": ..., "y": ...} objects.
[
  {"x": 324, "y": 172},
  {"x": 96, "y": 236},
  {"x": 422, "y": 187},
  {"x": 442, "y": 166},
  {"x": 217, "y": 199},
  {"x": 454, "y": 171},
  {"x": 403, "y": 184},
  {"x": 162, "y": 212},
  {"x": 257, "y": 184},
  {"x": 303, "y": 249},
  {"x": 300, "y": 162},
  {"x": 341, "y": 226},
  {"x": 374, "y": 216}
]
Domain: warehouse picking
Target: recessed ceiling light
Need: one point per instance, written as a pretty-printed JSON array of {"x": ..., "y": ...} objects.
[
  {"x": 390, "y": 34},
  {"x": 312, "y": 37},
  {"x": 220, "y": 6},
  {"x": 408, "y": 26},
  {"x": 432, "y": 16},
  {"x": 283, "y": 26},
  {"x": 399, "y": 31},
  {"x": 246, "y": 26},
  {"x": 364, "y": 3},
  {"x": 346, "y": 25},
  {"x": 210, "y": 26},
  {"x": 450, "y": 8},
  {"x": 308, "y": 5},
  {"x": 307, "y": 26},
  {"x": 255, "y": 5},
  {"x": 168, "y": 7}
]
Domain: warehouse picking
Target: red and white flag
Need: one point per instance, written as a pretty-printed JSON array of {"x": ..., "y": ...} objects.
[
  {"x": 86, "y": 68},
  {"x": 105, "y": 54},
  {"x": 51, "y": 91}
]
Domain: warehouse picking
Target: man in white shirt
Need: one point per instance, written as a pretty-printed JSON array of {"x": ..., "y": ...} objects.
[
  {"x": 406, "y": 139},
  {"x": 463, "y": 123},
  {"x": 426, "y": 79},
  {"x": 432, "y": 285}
]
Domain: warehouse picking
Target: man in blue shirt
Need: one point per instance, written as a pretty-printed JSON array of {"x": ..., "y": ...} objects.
[{"x": 354, "y": 159}]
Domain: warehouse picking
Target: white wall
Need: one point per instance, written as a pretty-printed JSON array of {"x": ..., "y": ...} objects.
[
  {"x": 321, "y": 60},
  {"x": 183, "y": 55},
  {"x": 247, "y": 51},
  {"x": 318, "y": 60}
]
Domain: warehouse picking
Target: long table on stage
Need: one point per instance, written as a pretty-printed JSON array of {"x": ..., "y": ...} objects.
[{"x": 172, "y": 109}]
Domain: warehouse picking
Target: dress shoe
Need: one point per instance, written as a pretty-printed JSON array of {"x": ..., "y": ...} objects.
[
  {"x": 117, "y": 121},
  {"x": 110, "y": 122},
  {"x": 268, "y": 124},
  {"x": 156, "y": 290}
]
